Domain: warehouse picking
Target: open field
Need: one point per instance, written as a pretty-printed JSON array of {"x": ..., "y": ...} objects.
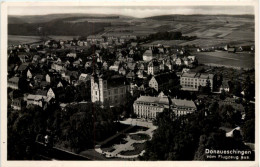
[
  {"x": 63, "y": 37},
  {"x": 241, "y": 60},
  {"x": 17, "y": 39},
  {"x": 164, "y": 43},
  {"x": 214, "y": 30},
  {"x": 217, "y": 42}
]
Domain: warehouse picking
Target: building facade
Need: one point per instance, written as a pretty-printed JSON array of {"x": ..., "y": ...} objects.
[
  {"x": 13, "y": 83},
  {"x": 148, "y": 107},
  {"x": 182, "y": 107},
  {"x": 160, "y": 82},
  {"x": 153, "y": 67},
  {"x": 112, "y": 90},
  {"x": 192, "y": 81}
]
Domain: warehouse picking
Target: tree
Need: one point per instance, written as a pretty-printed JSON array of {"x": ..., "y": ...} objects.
[
  {"x": 222, "y": 95},
  {"x": 248, "y": 130},
  {"x": 237, "y": 89},
  {"x": 249, "y": 91},
  {"x": 207, "y": 88}
]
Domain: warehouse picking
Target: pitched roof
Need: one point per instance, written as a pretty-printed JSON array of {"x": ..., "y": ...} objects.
[
  {"x": 151, "y": 99},
  {"x": 183, "y": 103},
  {"x": 163, "y": 78},
  {"x": 23, "y": 67},
  {"x": 153, "y": 63},
  {"x": 14, "y": 79}
]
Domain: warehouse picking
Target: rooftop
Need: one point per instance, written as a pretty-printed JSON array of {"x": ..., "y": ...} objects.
[
  {"x": 183, "y": 103},
  {"x": 150, "y": 99}
]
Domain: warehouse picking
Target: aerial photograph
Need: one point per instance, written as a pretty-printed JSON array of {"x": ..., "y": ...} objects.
[{"x": 131, "y": 83}]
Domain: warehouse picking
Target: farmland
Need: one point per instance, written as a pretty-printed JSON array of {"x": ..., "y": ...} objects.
[
  {"x": 164, "y": 43},
  {"x": 243, "y": 60},
  {"x": 213, "y": 30},
  {"x": 16, "y": 39}
]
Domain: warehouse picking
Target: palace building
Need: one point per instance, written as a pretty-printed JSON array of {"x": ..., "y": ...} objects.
[
  {"x": 148, "y": 107},
  {"x": 112, "y": 90}
]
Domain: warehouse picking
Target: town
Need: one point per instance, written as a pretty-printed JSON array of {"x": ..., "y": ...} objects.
[{"x": 127, "y": 97}]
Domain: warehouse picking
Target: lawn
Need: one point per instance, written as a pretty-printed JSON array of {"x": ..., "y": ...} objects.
[
  {"x": 17, "y": 39},
  {"x": 140, "y": 136},
  {"x": 240, "y": 60},
  {"x": 138, "y": 148}
]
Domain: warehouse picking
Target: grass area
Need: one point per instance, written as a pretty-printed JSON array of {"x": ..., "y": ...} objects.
[
  {"x": 137, "y": 128},
  {"x": 118, "y": 140},
  {"x": 63, "y": 37},
  {"x": 241, "y": 60},
  {"x": 19, "y": 39},
  {"x": 140, "y": 136},
  {"x": 165, "y": 42},
  {"x": 138, "y": 148}
]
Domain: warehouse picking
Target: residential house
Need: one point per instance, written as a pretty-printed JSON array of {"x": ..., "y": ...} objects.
[
  {"x": 72, "y": 54},
  {"x": 231, "y": 50},
  {"x": 95, "y": 39},
  {"x": 84, "y": 77},
  {"x": 13, "y": 83},
  {"x": 122, "y": 71},
  {"x": 244, "y": 48},
  {"x": 148, "y": 55},
  {"x": 29, "y": 74},
  {"x": 36, "y": 58},
  {"x": 70, "y": 76},
  {"x": 160, "y": 82},
  {"x": 153, "y": 67},
  {"x": 88, "y": 64},
  {"x": 17, "y": 104},
  {"x": 179, "y": 62},
  {"x": 23, "y": 68},
  {"x": 38, "y": 78},
  {"x": 23, "y": 58},
  {"x": 38, "y": 100},
  {"x": 224, "y": 86},
  {"x": 77, "y": 64},
  {"x": 130, "y": 75},
  {"x": 131, "y": 66}
]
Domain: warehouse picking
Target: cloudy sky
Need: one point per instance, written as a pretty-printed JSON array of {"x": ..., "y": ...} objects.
[{"x": 130, "y": 10}]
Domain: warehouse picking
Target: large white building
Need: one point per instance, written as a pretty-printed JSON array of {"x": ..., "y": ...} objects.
[
  {"x": 112, "y": 90},
  {"x": 148, "y": 107},
  {"x": 191, "y": 80}
]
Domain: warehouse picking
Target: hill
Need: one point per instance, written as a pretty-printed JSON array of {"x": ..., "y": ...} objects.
[
  {"x": 177, "y": 17},
  {"x": 56, "y": 27},
  {"x": 46, "y": 18}
]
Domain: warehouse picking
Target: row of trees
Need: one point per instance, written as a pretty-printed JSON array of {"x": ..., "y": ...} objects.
[{"x": 78, "y": 127}]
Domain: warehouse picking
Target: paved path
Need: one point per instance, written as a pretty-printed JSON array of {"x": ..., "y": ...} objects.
[{"x": 129, "y": 145}]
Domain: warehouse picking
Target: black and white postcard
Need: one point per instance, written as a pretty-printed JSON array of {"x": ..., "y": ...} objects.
[{"x": 129, "y": 83}]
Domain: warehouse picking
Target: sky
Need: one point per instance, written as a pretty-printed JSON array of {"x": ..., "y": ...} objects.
[{"x": 140, "y": 11}]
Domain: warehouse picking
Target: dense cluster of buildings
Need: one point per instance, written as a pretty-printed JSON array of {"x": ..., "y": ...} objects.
[{"x": 42, "y": 73}]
